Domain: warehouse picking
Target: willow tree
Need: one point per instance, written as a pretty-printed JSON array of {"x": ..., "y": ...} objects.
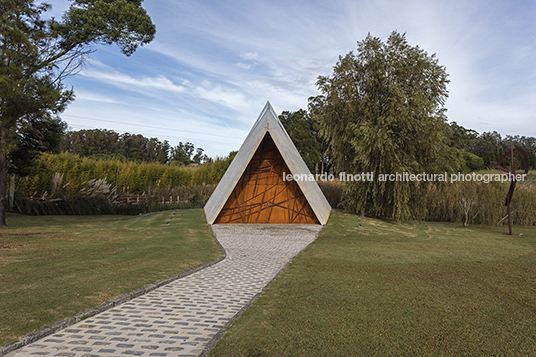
[
  {"x": 37, "y": 54},
  {"x": 383, "y": 111}
]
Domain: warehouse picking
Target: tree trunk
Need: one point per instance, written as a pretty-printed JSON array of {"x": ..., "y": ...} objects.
[
  {"x": 11, "y": 192},
  {"x": 322, "y": 164},
  {"x": 4, "y": 166},
  {"x": 3, "y": 186}
]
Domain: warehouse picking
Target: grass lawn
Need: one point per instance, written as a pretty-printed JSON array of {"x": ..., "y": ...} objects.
[
  {"x": 383, "y": 289},
  {"x": 53, "y": 267}
]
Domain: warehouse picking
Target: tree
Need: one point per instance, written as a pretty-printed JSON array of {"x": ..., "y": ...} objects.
[
  {"x": 163, "y": 152},
  {"x": 300, "y": 128},
  {"x": 157, "y": 151},
  {"x": 133, "y": 146},
  {"x": 489, "y": 147},
  {"x": 199, "y": 157},
  {"x": 382, "y": 111},
  {"x": 182, "y": 153},
  {"x": 104, "y": 143},
  {"x": 37, "y": 55},
  {"x": 460, "y": 137},
  {"x": 44, "y": 136},
  {"x": 89, "y": 142},
  {"x": 462, "y": 141}
]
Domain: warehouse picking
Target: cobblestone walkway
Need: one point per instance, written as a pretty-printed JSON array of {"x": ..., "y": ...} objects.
[{"x": 182, "y": 318}]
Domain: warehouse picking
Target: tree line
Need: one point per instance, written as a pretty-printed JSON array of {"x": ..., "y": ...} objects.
[
  {"x": 473, "y": 151},
  {"x": 490, "y": 146},
  {"x": 133, "y": 147}
]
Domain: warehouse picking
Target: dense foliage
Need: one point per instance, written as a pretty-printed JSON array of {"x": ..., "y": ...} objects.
[
  {"x": 489, "y": 146},
  {"x": 69, "y": 173},
  {"x": 382, "y": 111},
  {"x": 133, "y": 147},
  {"x": 70, "y": 184},
  {"x": 303, "y": 132}
]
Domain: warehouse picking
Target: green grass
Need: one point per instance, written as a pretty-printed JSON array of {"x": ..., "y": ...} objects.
[
  {"x": 383, "y": 289},
  {"x": 53, "y": 267}
]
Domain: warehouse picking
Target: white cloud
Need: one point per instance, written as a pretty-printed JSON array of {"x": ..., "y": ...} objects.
[
  {"x": 218, "y": 94},
  {"x": 94, "y": 97},
  {"x": 250, "y": 56},
  {"x": 142, "y": 84}
]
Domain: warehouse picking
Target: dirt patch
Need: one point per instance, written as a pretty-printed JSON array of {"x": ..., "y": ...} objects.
[{"x": 376, "y": 223}]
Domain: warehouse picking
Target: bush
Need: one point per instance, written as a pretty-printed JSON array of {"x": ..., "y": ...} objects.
[
  {"x": 95, "y": 200},
  {"x": 333, "y": 191},
  {"x": 472, "y": 162},
  {"x": 132, "y": 178},
  {"x": 72, "y": 205}
]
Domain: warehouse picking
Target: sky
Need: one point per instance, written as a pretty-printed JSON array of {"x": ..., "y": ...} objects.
[{"x": 214, "y": 64}]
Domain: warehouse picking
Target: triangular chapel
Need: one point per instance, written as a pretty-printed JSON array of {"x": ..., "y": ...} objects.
[{"x": 255, "y": 187}]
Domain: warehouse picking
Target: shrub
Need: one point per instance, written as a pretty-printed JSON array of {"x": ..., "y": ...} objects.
[
  {"x": 333, "y": 191},
  {"x": 472, "y": 162},
  {"x": 70, "y": 205},
  {"x": 132, "y": 178}
]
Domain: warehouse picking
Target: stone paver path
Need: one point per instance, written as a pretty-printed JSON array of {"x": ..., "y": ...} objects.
[{"x": 183, "y": 317}]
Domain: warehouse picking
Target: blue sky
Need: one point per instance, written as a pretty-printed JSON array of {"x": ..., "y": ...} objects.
[{"x": 213, "y": 64}]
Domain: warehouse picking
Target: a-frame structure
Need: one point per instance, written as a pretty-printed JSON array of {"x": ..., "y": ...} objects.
[{"x": 255, "y": 188}]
